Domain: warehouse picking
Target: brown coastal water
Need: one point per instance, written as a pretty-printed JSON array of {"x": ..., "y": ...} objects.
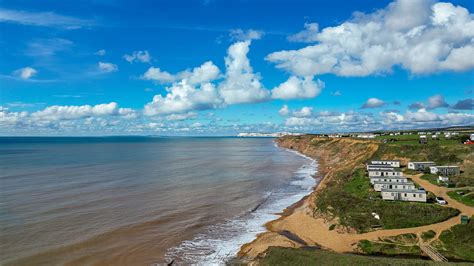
[{"x": 128, "y": 200}]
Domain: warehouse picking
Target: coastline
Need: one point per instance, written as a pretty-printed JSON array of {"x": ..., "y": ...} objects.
[
  {"x": 303, "y": 226},
  {"x": 223, "y": 241},
  {"x": 299, "y": 219}
]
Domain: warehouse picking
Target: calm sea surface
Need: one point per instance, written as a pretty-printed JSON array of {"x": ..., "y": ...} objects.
[{"x": 141, "y": 200}]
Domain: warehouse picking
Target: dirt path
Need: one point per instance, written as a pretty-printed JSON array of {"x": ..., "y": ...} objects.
[
  {"x": 315, "y": 231},
  {"x": 443, "y": 192}
]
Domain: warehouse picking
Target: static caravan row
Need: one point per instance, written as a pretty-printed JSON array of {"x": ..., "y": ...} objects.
[
  {"x": 379, "y": 186},
  {"x": 404, "y": 195},
  {"x": 420, "y": 166},
  {"x": 385, "y": 172},
  {"x": 388, "y": 179},
  {"x": 386, "y": 162},
  {"x": 445, "y": 170},
  {"x": 378, "y": 167}
]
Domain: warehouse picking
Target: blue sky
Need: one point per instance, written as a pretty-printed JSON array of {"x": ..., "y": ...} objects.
[{"x": 216, "y": 67}]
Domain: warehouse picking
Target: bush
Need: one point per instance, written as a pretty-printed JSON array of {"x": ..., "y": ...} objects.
[
  {"x": 374, "y": 248},
  {"x": 428, "y": 235}
]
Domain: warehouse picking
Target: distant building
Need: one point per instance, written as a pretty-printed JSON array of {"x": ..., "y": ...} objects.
[
  {"x": 423, "y": 139},
  {"x": 378, "y": 186},
  {"x": 420, "y": 166},
  {"x": 266, "y": 135},
  {"x": 391, "y": 163},
  {"x": 388, "y": 179},
  {"x": 445, "y": 170},
  {"x": 385, "y": 172},
  {"x": 404, "y": 195},
  {"x": 366, "y": 136}
]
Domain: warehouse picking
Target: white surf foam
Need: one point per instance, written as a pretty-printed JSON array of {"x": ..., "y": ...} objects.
[{"x": 222, "y": 242}]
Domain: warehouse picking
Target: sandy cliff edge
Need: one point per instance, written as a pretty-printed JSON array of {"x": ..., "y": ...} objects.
[{"x": 299, "y": 220}]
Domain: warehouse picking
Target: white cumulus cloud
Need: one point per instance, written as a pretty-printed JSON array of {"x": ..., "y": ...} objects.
[
  {"x": 184, "y": 97},
  {"x": 68, "y": 112},
  {"x": 138, "y": 56},
  {"x": 205, "y": 73},
  {"x": 295, "y": 88},
  {"x": 240, "y": 84},
  {"x": 309, "y": 34},
  {"x": 373, "y": 103},
  {"x": 107, "y": 67},
  {"x": 418, "y": 35},
  {"x": 303, "y": 112},
  {"x": 100, "y": 52},
  {"x": 284, "y": 111},
  {"x": 244, "y": 35},
  {"x": 25, "y": 73}
]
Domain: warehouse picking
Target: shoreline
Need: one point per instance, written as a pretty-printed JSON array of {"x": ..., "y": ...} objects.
[
  {"x": 272, "y": 233},
  {"x": 299, "y": 219}
]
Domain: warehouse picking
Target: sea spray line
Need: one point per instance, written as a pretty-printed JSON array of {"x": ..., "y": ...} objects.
[{"x": 221, "y": 242}]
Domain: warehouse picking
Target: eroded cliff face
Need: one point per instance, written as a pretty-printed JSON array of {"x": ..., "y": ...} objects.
[{"x": 331, "y": 153}]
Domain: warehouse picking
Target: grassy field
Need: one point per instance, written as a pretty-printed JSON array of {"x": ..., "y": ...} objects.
[
  {"x": 287, "y": 256},
  {"x": 466, "y": 198},
  {"x": 458, "y": 242}
]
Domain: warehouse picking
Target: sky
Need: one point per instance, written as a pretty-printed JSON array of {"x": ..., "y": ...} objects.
[{"x": 215, "y": 67}]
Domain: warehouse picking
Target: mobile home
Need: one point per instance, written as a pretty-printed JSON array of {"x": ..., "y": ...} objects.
[
  {"x": 385, "y": 162},
  {"x": 388, "y": 179},
  {"x": 420, "y": 166},
  {"x": 385, "y": 172},
  {"x": 445, "y": 170},
  {"x": 378, "y": 186},
  {"x": 404, "y": 195}
]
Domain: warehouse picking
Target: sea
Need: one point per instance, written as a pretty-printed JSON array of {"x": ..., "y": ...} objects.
[{"x": 141, "y": 200}]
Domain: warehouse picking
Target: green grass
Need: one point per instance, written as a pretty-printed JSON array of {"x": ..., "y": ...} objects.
[
  {"x": 467, "y": 198},
  {"x": 377, "y": 248},
  {"x": 356, "y": 212},
  {"x": 428, "y": 235},
  {"x": 433, "y": 179},
  {"x": 359, "y": 185},
  {"x": 403, "y": 239},
  {"x": 449, "y": 154},
  {"x": 288, "y": 256},
  {"x": 458, "y": 242}
]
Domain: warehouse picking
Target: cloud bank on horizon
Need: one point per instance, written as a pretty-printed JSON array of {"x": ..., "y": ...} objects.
[{"x": 421, "y": 38}]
